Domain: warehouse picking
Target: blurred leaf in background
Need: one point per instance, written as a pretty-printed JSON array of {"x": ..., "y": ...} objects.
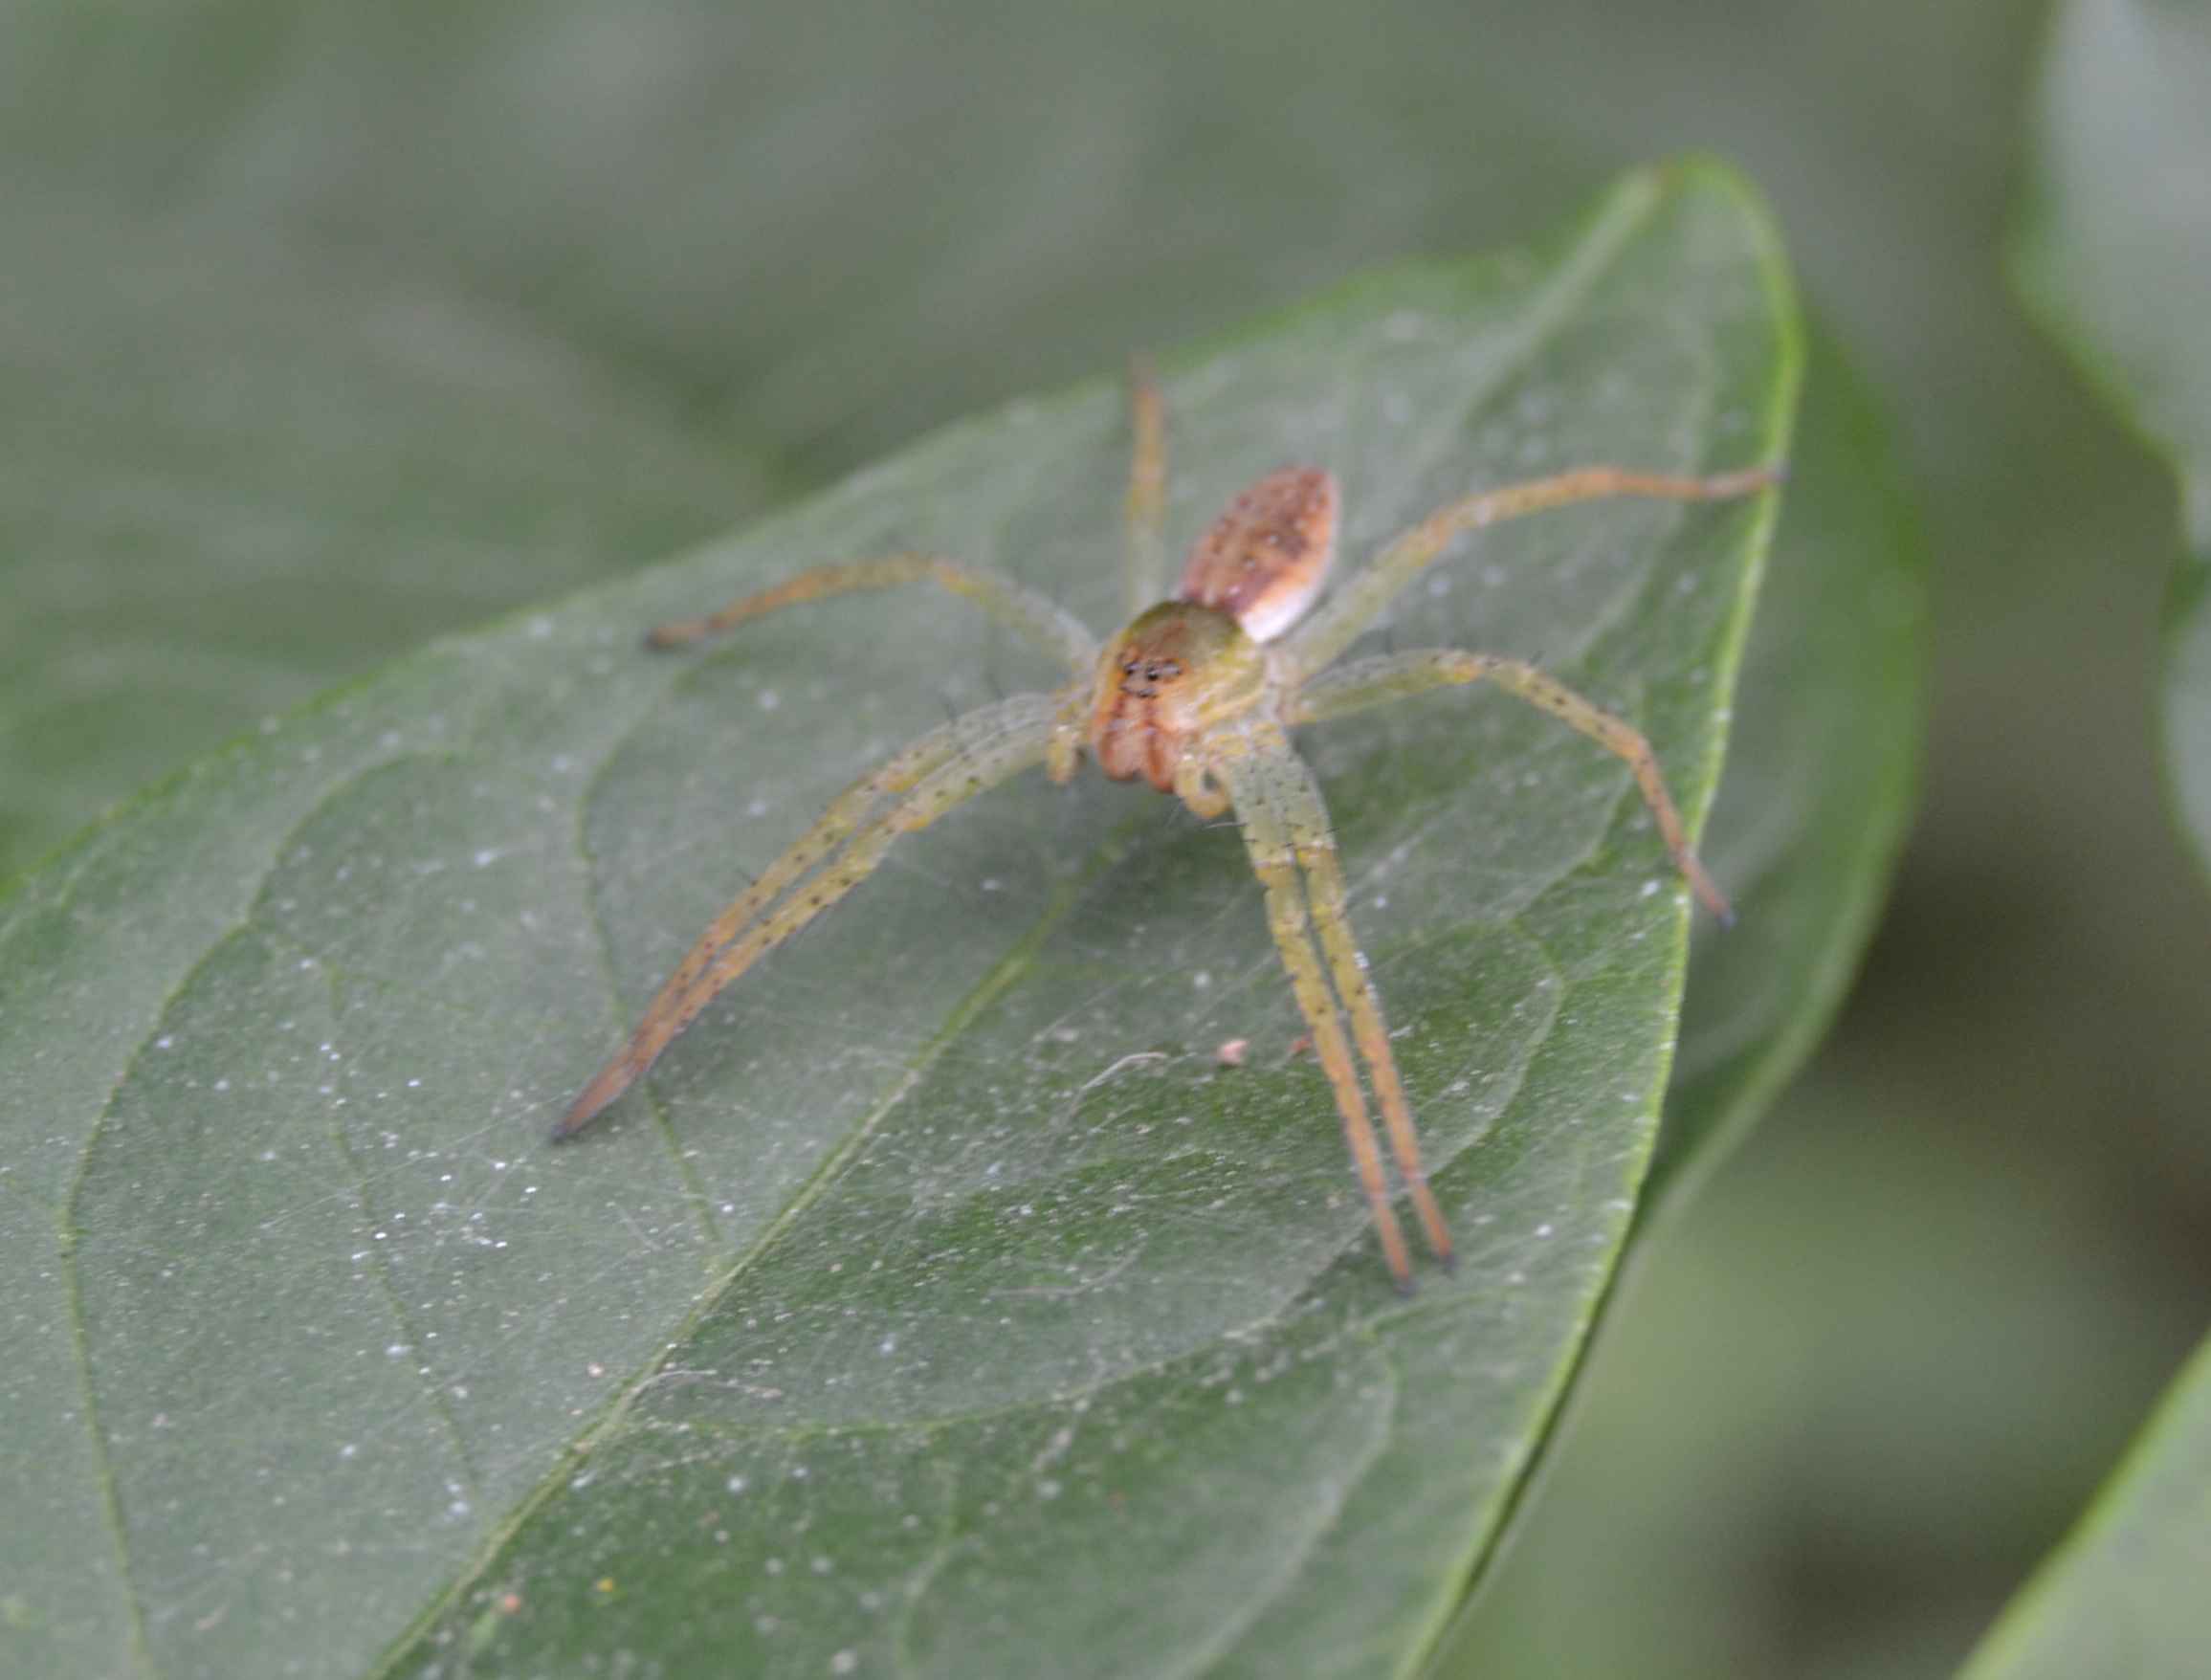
[
  {"x": 798, "y": 235},
  {"x": 2115, "y": 256},
  {"x": 2125, "y": 1594},
  {"x": 2113, "y": 252},
  {"x": 234, "y": 470}
]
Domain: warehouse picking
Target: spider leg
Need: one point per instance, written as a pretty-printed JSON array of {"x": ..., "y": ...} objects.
[
  {"x": 1338, "y": 622},
  {"x": 1293, "y": 854},
  {"x": 942, "y": 770},
  {"x": 1398, "y": 676},
  {"x": 1043, "y": 621},
  {"x": 1145, "y": 563},
  {"x": 1330, "y": 916}
]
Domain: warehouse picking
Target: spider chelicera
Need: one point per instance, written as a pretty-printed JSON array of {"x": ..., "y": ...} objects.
[{"x": 1198, "y": 695}]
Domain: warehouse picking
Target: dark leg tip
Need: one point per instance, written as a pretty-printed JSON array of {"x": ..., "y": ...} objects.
[
  {"x": 1406, "y": 1289},
  {"x": 596, "y": 1097},
  {"x": 579, "y": 1116}
]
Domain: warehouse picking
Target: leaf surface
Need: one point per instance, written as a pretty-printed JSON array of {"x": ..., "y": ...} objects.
[
  {"x": 941, "y": 1304},
  {"x": 1822, "y": 759},
  {"x": 1821, "y": 756}
]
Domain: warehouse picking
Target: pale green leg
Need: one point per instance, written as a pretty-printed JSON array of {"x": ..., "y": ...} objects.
[
  {"x": 1358, "y": 602},
  {"x": 1293, "y": 852},
  {"x": 1043, "y": 621},
  {"x": 1145, "y": 559},
  {"x": 945, "y": 767},
  {"x": 1399, "y": 677},
  {"x": 1316, "y": 842}
]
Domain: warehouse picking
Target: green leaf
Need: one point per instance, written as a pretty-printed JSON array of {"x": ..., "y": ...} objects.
[
  {"x": 2114, "y": 255},
  {"x": 237, "y": 474},
  {"x": 942, "y": 1301},
  {"x": 2124, "y": 1594},
  {"x": 641, "y": 313},
  {"x": 1821, "y": 766}
]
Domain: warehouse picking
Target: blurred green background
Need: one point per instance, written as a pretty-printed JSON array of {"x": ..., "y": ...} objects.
[{"x": 1872, "y": 1373}]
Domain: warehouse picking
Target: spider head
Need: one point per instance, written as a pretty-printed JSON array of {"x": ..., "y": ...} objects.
[{"x": 1180, "y": 670}]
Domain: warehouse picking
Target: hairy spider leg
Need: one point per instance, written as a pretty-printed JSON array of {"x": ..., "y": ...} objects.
[
  {"x": 942, "y": 770},
  {"x": 846, "y": 813},
  {"x": 1397, "y": 677},
  {"x": 1266, "y": 784},
  {"x": 1360, "y": 600},
  {"x": 1145, "y": 561},
  {"x": 1307, "y": 813},
  {"x": 1041, "y": 619}
]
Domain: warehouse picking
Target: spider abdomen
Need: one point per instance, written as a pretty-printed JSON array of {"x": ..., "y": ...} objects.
[{"x": 1265, "y": 559}]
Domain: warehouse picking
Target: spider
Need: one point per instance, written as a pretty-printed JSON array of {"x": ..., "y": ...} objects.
[{"x": 1198, "y": 695}]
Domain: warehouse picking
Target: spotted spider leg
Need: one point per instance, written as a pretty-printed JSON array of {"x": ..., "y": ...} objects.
[
  {"x": 945, "y": 767},
  {"x": 1399, "y": 677},
  {"x": 942, "y": 768},
  {"x": 1046, "y": 623},
  {"x": 1356, "y": 604},
  {"x": 1293, "y": 852}
]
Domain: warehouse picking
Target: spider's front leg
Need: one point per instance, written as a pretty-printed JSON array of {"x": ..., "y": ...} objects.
[
  {"x": 944, "y": 767},
  {"x": 1293, "y": 852},
  {"x": 1047, "y": 624}
]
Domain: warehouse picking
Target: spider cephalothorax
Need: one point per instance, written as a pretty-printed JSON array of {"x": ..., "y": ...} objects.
[
  {"x": 1179, "y": 670},
  {"x": 1187, "y": 665},
  {"x": 1187, "y": 698}
]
